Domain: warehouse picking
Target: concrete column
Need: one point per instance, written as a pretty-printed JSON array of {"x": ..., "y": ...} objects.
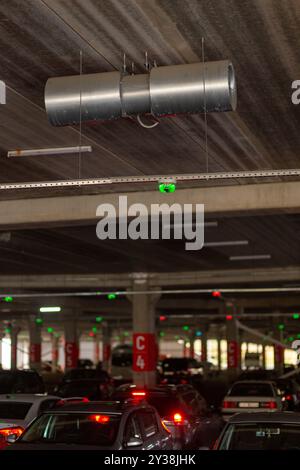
[
  {"x": 192, "y": 344},
  {"x": 55, "y": 349},
  {"x": 106, "y": 346},
  {"x": 219, "y": 339},
  {"x": 264, "y": 356},
  {"x": 71, "y": 343},
  {"x": 233, "y": 348},
  {"x": 144, "y": 338},
  {"x": 15, "y": 330},
  {"x": 278, "y": 350},
  {"x": 204, "y": 344},
  {"x": 35, "y": 344}
]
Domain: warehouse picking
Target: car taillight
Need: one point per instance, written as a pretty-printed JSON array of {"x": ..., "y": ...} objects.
[
  {"x": 178, "y": 418},
  {"x": 271, "y": 405},
  {"x": 229, "y": 404},
  {"x": 288, "y": 397},
  {"x": 139, "y": 394},
  {"x": 101, "y": 419},
  {"x": 4, "y": 433}
]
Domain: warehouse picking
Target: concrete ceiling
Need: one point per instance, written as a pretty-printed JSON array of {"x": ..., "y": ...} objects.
[{"x": 42, "y": 38}]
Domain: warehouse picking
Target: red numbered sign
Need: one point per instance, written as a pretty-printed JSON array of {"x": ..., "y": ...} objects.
[
  {"x": 71, "y": 352},
  {"x": 35, "y": 353},
  {"x": 232, "y": 354},
  {"x": 144, "y": 352}
]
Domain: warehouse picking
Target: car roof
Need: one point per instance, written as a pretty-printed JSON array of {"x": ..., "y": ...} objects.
[
  {"x": 268, "y": 382},
  {"x": 26, "y": 397},
  {"x": 266, "y": 417},
  {"x": 110, "y": 407}
]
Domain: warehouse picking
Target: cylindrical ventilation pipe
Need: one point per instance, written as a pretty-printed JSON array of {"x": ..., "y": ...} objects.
[{"x": 188, "y": 88}]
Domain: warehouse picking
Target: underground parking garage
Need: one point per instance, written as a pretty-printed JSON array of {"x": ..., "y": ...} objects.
[{"x": 149, "y": 225}]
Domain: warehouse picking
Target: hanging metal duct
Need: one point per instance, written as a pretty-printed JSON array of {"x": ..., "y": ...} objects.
[{"x": 174, "y": 89}]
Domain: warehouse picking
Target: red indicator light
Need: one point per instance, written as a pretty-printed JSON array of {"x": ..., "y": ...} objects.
[
  {"x": 138, "y": 394},
  {"x": 177, "y": 418},
  {"x": 229, "y": 317},
  {"x": 216, "y": 293},
  {"x": 162, "y": 318},
  {"x": 271, "y": 405},
  {"x": 101, "y": 419}
]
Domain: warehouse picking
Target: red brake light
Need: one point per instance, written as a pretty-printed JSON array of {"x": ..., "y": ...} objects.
[
  {"x": 4, "y": 433},
  {"x": 101, "y": 419},
  {"x": 271, "y": 405},
  {"x": 288, "y": 397},
  {"x": 138, "y": 394},
  {"x": 177, "y": 418},
  {"x": 229, "y": 404}
]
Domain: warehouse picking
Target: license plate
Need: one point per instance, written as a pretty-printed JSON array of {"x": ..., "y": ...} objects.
[{"x": 248, "y": 405}]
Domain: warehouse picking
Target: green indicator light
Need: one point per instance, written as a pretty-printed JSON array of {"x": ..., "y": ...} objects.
[
  {"x": 99, "y": 319},
  {"x": 167, "y": 187},
  {"x": 176, "y": 337},
  {"x": 94, "y": 329},
  {"x": 39, "y": 321},
  {"x": 291, "y": 338},
  {"x": 198, "y": 333},
  {"x": 185, "y": 328},
  {"x": 7, "y": 330},
  {"x": 50, "y": 330},
  {"x": 161, "y": 334},
  {"x": 296, "y": 316},
  {"x": 298, "y": 336},
  {"x": 111, "y": 296},
  {"x": 280, "y": 326},
  {"x": 8, "y": 299},
  {"x": 125, "y": 333}
]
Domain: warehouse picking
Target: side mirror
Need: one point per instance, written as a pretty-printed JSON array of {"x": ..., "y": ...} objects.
[{"x": 134, "y": 442}]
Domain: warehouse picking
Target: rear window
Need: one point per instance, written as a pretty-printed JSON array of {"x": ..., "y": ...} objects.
[
  {"x": 251, "y": 390},
  {"x": 164, "y": 404},
  {"x": 175, "y": 364},
  {"x": 14, "y": 410},
  {"x": 73, "y": 428},
  {"x": 78, "y": 389}
]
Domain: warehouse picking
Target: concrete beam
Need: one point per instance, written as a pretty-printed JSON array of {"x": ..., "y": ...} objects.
[
  {"x": 69, "y": 210},
  {"x": 211, "y": 279}
]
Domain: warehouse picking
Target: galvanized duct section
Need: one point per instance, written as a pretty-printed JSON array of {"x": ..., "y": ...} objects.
[{"x": 188, "y": 88}]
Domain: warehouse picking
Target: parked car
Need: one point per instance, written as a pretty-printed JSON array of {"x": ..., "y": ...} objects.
[
  {"x": 182, "y": 370},
  {"x": 261, "y": 431},
  {"x": 182, "y": 410},
  {"x": 251, "y": 396},
  {"x": 81, "y": 373},
  {"x": 93, "y": 389},
  {"x": 102, "y": 425},
  {"x": 17, "y": 411},
  {"x": 21, "y": 381},
  {"x": 290, "y": 390}
]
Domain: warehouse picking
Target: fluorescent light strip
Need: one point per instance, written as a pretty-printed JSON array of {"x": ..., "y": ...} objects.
[
  {"x": 49, "y": 151},
  {"x": 248, "y": 257},
  {"x": 50, "y": 309},
  {"x": 151, "y": 179},
  {"x": 227, "y": 243}
]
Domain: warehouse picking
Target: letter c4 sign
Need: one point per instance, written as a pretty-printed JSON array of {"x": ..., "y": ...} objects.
[{"x": 144, "y": 352}]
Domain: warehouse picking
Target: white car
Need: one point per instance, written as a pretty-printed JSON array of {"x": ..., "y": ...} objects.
[
  {"x": 18, "y": 410},
  {"x": 251, "y": 396}
]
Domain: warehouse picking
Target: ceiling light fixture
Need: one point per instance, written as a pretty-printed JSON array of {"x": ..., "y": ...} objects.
[
  {"x": 50, "y": 309},
  {"x": 248, "y": 257},
  {"x": 48, "y": 151}
]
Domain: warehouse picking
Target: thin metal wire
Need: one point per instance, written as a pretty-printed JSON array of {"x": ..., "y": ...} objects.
[
  {"x": 205, "y": 108},
  {"x": 80, "y": 114}
]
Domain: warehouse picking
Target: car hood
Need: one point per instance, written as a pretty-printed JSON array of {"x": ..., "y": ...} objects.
[{"x": 40, "y": 446}]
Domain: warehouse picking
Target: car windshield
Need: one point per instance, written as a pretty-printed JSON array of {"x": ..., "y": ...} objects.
[
  {"x": 14, "y": 410},
  {"x": 251, "y": 390},
  {"x": 6, "y": 382},
  {"x": 261, "y": 436},
  {"x": 178, "y": 364},
  {"x": 165, "y": 405},
  {"x": 73, "y": 428},
  {"x": 78, "y": 389}
]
